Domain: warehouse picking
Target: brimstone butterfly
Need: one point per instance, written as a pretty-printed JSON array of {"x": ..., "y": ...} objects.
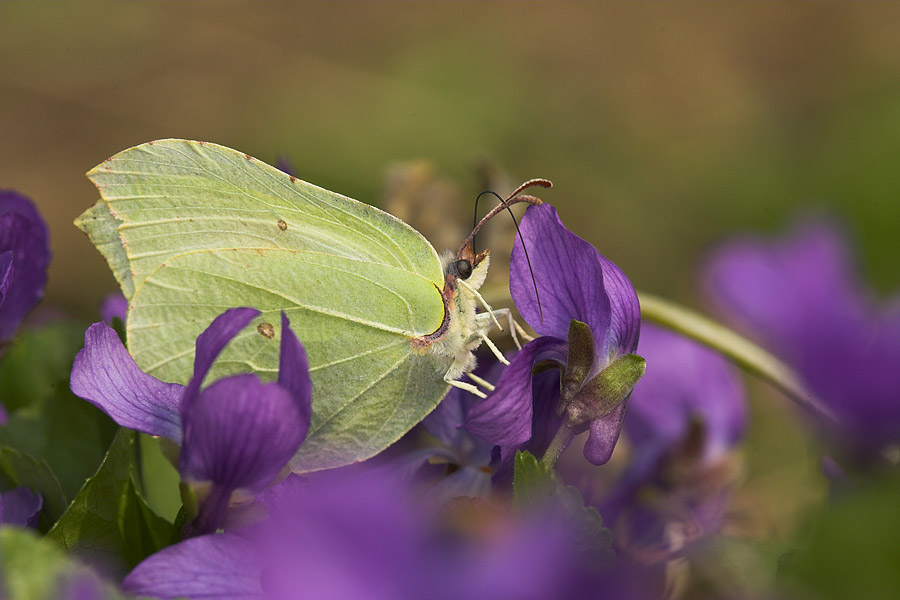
[{"x": 191, "y": 229}]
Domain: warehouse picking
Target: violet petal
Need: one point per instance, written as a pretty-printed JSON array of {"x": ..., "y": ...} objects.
[
  {"x": 210, "y": 344},
  {"x": 24, "y": 233},
  {"x": 504, "y": 417},
  {"x": 6, "y": 274},
  {"x": 20, "y": 506},
  {"x": 685, "y": 381},
  {"x": 604, "y": 433},
  {"x": 293, "y": 373},
  {"x": 567, "y": 272},
  {"x": 114, "y": 306},
  {"x": 240, "y": 432},
  {"x": 105, "y": 375},
  {"x": 209, "y": 566}
]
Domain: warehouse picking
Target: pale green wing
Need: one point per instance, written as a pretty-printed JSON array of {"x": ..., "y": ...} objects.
[
  {"x": 176, "y": 196},
  {"x": 103, "y": 230},
  {"x": 356, "y": 320}
]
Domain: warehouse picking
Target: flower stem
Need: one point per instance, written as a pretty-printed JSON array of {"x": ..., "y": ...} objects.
[
  {"x": 733, "y": 346},
  {"x": 557, "y": 445}
]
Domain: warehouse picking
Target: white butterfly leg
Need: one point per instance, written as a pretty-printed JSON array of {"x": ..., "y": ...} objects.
[
  {"x": 487, "y": 307},
  {"x": 482, "y": 382},
  {"x": 514, "y": 327},
  {"x": 464, "y": 386}
]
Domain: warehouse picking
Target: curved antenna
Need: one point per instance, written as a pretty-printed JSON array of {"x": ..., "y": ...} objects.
[{"x": 513, "y": 198}]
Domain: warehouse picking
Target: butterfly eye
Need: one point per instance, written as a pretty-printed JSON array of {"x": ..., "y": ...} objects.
[{"x": 463, "y": 268}]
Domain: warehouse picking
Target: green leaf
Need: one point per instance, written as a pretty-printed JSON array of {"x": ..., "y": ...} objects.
[
  {"x": 534, "y": 483},
  {"x": 738, "y": 349},
  {"x": 19, "y": 469},
  {"x": 108, "y": 520},
  {"x": 47, "y": 421},
  {"x": 36, "y": 569},
  {"x": 159, "y": 479},
  {"x": 537, "y": 488}
]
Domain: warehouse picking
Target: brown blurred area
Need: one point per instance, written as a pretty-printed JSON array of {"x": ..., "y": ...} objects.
[{"x": 662, "y": 125}]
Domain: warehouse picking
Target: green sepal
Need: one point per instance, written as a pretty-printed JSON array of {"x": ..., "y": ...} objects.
[
  {"x": 611, "y": 386},
  {"x": 108, "y": 519},
  {"x": 578, "y": 364}
]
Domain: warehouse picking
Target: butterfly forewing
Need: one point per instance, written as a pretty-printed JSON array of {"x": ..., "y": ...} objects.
[{"x": 175, "y": 196}]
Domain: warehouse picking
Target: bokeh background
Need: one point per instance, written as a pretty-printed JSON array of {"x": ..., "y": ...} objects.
[{"x": 665, "y": 127}]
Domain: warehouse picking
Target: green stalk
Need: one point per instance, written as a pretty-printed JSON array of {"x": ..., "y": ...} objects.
[{"x": 741, "y": 351}]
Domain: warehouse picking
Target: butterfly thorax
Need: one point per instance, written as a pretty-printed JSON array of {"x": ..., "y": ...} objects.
[{"x": 458, "y": 335}]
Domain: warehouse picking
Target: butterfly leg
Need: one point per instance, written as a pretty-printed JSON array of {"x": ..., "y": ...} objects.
[
  {"x": 482, "y": 382},
  {"x": 487, "y": 307},
  {"x": 515, "y": 329},
  {"x": 463, "y": 385}
]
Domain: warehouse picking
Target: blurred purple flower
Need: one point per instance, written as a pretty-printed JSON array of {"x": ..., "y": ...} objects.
[
  {"x": 114, "y": 306},
  {"x": 24, "y": 257},
  {"x": 20, "y": 506},
  {"x": 800, "y": 296},
  {"x": 235, "y": 434},
  {"x": 588, "y": 319},
  {"x": 684, "y": 418},
  {"x": 355, "y": 534}
]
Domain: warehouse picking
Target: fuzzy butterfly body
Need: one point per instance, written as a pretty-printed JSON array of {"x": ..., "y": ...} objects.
[{"x": 191, "y": 229}]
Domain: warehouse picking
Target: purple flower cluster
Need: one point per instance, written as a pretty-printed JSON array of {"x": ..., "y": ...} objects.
[
  {"x": 800, "y": 296},
  {"x": 24, "y": 258},
  {"x": 236, "y": 435},
  {"x": 389, "y": 530}
]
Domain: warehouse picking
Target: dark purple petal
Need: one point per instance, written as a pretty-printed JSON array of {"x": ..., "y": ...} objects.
[
  {"x": 504, "y": 418},
  {"x": 114, "y": 306},
  {"x": 240, "y": 433},
  {"x": 604, "y": 432},
  {"x": 105, "y": 375},
  {"x": 574, "y": 282},
  {"x": 685, "y": 382},
  {"x": 6, "y": 274},
  {"x": 545, "y": 399},
  {"x": 210, "y": 344},
  {"x": 567, "y": 273},
  {"x": 20, "y": 506},
  {"x": 293, "y": 373},
  {"x": 209, "y": 566},
  {"x": 24, "y": 233},
  {"x": 444, "y": 421}
]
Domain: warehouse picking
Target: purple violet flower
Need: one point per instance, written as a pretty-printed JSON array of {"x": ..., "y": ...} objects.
[
  {"x": 24, "y": 257},
  {"x": 800, "y": 296},
  {"x": 589, "y": 322},
  {"x": 356, "y": 534},
  {"x": 20, "y": 506},
  {"x": 466, "y": 458},
  {"x": 114, "y": 306},
  {"x": 684, "y": 417},
  {"x": 235, "y": 435}
]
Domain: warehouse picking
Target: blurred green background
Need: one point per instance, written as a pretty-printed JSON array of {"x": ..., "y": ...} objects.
[{"x": 664, "y": 126}]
